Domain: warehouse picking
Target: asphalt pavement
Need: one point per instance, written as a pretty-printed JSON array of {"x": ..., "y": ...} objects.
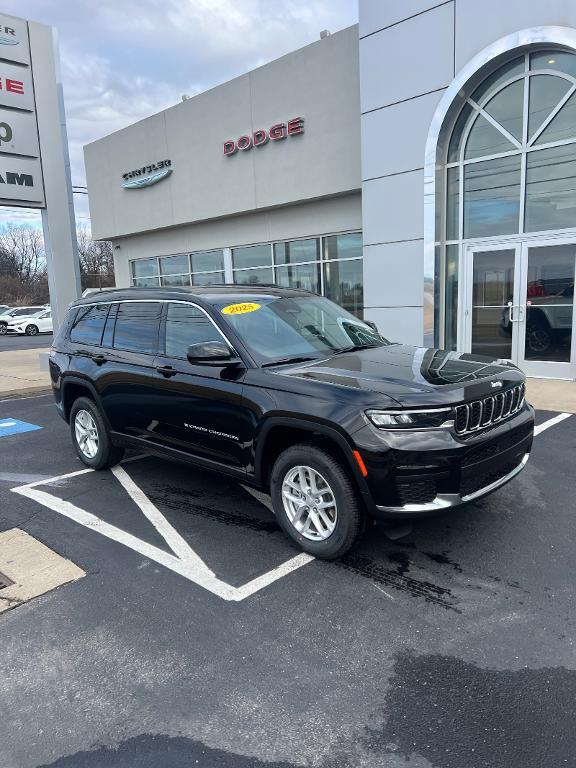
[
  {"x": 11, "y": 341},
  {"x": 452, "y": 647}
]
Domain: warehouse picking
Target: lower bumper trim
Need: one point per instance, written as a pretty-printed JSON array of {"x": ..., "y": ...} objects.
[{"x": 447, "y": 500}]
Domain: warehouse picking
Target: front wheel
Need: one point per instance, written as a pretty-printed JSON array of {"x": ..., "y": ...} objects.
[
  {"x": 31, "y": 330},
  {"x": 90, "y": 436},
  {"x": 315, "y": 501},
  {"x": 3, "y": 329}
]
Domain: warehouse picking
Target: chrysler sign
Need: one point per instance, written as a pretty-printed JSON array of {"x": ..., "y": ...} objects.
[
  {"x": 258, "y": 138},
  {"x": 147, "y": 175}
]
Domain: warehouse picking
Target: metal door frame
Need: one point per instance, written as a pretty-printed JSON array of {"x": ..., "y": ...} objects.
[
  {"x": 532, "y": 368},
  {"x": 542, "y": 368},
  {"x": 466, "y": 292}
]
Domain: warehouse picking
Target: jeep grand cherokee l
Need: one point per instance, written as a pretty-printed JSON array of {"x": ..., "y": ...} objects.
[{"x": 288, "y": 392}]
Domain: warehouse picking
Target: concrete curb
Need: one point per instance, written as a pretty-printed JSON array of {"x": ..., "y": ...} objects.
[{"x": 24, "y": 392}]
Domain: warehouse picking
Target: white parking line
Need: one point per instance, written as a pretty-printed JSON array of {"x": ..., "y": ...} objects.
[
  {"x": 551, "y": 422},
  {"x": 183, "y": 560}
]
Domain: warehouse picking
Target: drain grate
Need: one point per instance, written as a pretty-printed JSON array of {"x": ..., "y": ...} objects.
[{"x": 5, "y": 581}]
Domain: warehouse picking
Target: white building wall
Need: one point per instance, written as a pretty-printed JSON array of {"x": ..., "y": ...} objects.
[
  {"x": 410, "y": 51},
  {"x": 319, "y": 217}
]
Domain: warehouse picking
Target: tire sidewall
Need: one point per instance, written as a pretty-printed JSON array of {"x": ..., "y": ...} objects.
[
  {"x": 342, "y": 488},
  {"x": 99, "y": 461}
]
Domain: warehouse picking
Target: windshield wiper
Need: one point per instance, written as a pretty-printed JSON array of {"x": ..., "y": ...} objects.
[
  {"x": 285, "y": 360},
  {"x": 354, "y": 347}
]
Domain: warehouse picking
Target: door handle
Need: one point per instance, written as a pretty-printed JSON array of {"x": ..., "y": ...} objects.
[
  {"x": 99, "y": 359},
  {"x": 167, "y": 371},
  {"x": 512, "y": 307}
]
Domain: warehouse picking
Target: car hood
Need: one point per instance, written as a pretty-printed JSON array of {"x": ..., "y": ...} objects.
[{"x": 412, "y": 376}]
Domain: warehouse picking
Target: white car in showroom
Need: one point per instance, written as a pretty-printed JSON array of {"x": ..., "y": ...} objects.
[{"x": 33, "y": 324}]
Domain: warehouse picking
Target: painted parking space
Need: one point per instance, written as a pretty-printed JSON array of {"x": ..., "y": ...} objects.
[
  {"x": 165, "y": 509},
  {"x": 335, "y": 663}
]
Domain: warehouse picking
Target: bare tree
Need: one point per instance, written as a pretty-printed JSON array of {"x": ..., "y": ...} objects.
[
  {"x": 96, "y": 260},
  {"x": 23, "y": 276}
]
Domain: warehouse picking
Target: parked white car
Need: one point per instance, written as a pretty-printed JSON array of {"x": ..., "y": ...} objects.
[
  {"x": 16, "y": 313},
  {"x": 32, "y": 325}
]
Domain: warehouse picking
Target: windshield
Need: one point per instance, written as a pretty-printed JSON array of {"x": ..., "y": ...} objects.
[{"x": 277, "y": 329}]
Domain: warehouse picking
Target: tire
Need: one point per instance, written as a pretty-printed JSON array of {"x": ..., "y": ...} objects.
[
  {"x": 339, "y": 524},
  {"x": 31, "y": 330},
  {"x": 3, "y": 329},
  {"x": 98, "y": 452}
]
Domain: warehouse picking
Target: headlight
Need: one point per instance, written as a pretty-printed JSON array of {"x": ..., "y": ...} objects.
[{"x": 409, "y": 419}]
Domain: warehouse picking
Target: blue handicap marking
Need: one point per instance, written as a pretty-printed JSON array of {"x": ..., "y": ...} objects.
[{"x": 15, "y": 427}]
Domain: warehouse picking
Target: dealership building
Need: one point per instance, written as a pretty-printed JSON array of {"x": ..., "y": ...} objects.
[{"x": 419, "y": 169}]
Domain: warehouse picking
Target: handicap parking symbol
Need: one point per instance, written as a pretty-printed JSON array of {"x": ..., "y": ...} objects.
[{"x": 15, "y": 427}]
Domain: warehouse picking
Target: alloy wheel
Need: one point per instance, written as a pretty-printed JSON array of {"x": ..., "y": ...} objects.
[
  {"x": 309, "y": 503},
  {"x": 86, "y": 433}
]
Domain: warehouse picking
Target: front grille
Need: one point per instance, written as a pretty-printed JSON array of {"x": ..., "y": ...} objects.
[
  {"x": 494, "y": 447},
  {"x": 416, "y": 491},
  {"x": 479, "y": 481},
  {"x": 482, "y": 413}
]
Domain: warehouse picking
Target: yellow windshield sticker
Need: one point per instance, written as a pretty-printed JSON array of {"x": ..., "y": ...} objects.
[{"x": 240, "y": 309}]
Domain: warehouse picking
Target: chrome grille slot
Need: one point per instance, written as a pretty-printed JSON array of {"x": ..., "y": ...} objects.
[
  {"x": 461, "y": 420},
  {"x": 488, "y": 411},
  {"x": 479, "y": 414},
  {"x": 475, "y": 415},
  {"x": 498, "y": 406}
]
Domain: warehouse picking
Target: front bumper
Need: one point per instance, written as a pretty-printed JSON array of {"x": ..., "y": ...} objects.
[{"x": 419, "y": 473}]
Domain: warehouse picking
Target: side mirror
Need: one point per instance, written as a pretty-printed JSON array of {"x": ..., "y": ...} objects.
[
  {"x": 371, "y": 324},
  {"x": 216, "y": 353}
]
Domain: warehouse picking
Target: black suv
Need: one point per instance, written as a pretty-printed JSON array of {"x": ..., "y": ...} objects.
[{"x": 290, "y": 393}]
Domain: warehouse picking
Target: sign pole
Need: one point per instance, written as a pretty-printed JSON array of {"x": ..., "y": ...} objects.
[
  {"x": 34, "y": 162},
  {"x": 58, "y": 220}
]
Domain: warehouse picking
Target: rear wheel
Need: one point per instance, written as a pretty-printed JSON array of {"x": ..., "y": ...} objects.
[
  {"x": 315, "y": 501},
  {"x": 90, "y": 436},
  {"x": 31, "y": 330}
]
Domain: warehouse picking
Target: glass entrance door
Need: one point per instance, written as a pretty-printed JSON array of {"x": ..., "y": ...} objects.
[
  {"x": 546, "y": 318},
  {"x": 490, "y": 309},
  {"x": 518, "y": 305}
]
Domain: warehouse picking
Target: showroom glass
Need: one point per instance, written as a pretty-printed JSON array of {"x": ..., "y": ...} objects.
[
  {"x": 492, "y": 289},
  {"x": 510, "y": 160},
  {"x": 549, "y": 302},
  {"x": 330, "y": 265},
  {"x": 187, "y": 325},
  {"x": 183, "y": 269},
  {"x": 310, "y": 326},
  {"x": 502, "y": 135},
  {"x": 89, "y": 324},
  {"x": 137, "y": 326}
]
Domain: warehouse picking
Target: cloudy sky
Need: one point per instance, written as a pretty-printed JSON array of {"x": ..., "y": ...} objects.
[{"x": 123, "y": 60}]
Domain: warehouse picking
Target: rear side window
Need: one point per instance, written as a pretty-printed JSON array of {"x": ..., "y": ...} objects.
[
  {"x": 89, "y": 324},
  {"x": 137, "y": 326},
  {"x": 187, "y": 325}
]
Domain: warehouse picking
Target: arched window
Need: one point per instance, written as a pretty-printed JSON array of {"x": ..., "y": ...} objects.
[{"x": 509, "y": 163}]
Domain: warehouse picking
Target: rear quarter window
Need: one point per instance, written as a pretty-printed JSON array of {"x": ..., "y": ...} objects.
[{"x": 89, "y": 324}]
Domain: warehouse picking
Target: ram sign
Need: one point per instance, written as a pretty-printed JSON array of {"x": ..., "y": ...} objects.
[{"x": 20, "y": 166}]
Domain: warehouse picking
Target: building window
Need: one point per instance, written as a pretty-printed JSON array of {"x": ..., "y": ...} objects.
[
  {"x": 330, "y": 266},
  {"x": 145, "y": 273},
  {"x": 199, "y": 268},
  {"x": 509, "y": 164}
]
